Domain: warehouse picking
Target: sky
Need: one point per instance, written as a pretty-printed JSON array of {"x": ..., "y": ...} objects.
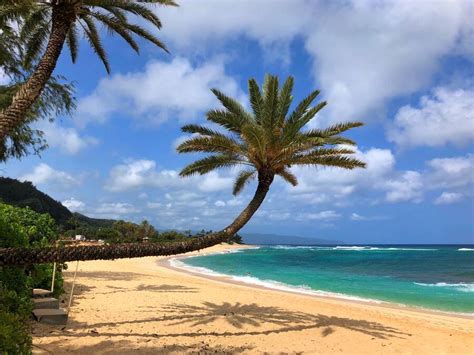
[{"x": 404, "y": 68}]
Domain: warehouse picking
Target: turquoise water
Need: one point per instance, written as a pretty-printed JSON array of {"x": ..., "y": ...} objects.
[{"x": 434, "y": 277}]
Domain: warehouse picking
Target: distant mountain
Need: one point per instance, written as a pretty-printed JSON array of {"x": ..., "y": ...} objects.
[
  {"x": 275, "y": 239},
  {"x": 23, "y": 194}
]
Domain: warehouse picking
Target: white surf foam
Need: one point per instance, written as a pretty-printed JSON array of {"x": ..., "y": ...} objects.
[
  {"x": 377, "y": 248},
  {"x": 304, "y": 289},
  {"x": 461, "y": 286},
  {"x": 465, "y": 249}
]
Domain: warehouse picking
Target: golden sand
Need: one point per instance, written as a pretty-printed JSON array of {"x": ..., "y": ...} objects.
[{"x": 138, "y": 306}]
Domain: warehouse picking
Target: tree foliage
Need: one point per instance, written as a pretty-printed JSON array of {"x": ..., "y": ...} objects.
[
  {"x": 270, "y": 139},
  {"x": 22, "y": 227},
  {"x": 56, "y": 99}
]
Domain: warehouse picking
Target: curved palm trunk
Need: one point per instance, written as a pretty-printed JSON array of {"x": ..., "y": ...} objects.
[
  {"x": 25, "y": 256},
  {"x": 264, "y": 182},
  {"x": 13, "y": 116}
]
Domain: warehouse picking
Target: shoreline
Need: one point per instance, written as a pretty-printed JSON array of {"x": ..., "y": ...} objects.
[
  {"x": 129, "y": 306},
  {"x": 289, "y": 289}
]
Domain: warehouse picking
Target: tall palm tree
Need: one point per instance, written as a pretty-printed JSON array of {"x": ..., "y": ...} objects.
[
  {"x": 47, "y": 25},
  {"x": 267, "y": 141}
]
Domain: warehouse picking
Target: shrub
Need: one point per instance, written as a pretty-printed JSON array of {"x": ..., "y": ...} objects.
[{"x": 22, "y": 227}]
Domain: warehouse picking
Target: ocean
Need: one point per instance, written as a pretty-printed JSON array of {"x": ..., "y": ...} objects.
[{"x": 437, "y": 277}]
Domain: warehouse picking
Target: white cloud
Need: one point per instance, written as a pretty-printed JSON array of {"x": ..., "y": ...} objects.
[
  {"x": 447, "y": 198},
  {"x": 219, "y": 203},
  {"x": 445, "y": 117},
  {"x": 457, "y": 172},
  {"x": 193, "y": 25},
  {"x": 74, "y": 205},
  {"x": 334, "y": 185},
  {"x": 140, "y": 173},
  {"x": 153, "y": 205},
  {"x": 68, "y": 140},
  {"x": 43, "y": 174},
  {"x": 407, "y": 187},
  {"x": 329, "y": 183},
  {"x": 357, "y": 217},
  {"x": 363, "y": 53},
  {"x": 323, "y": 215},
  {"x": 161, "y": 90},
  {"x": 134, "y": 174},
  {"x": 114, "y": 210},
  {"x": 215, "y": 182}
]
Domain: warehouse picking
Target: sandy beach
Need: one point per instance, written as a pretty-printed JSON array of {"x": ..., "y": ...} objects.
[{"x": 142, "y": 306}]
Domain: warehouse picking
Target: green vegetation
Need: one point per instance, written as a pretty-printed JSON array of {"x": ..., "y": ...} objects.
[
  {"x": 56, "y": 98},
  {"x": 267, "y": 141},
  {"x": 23, "y": 194},
  {"x": 22, "y": 227},
  {"x": 44, "y": 28}
]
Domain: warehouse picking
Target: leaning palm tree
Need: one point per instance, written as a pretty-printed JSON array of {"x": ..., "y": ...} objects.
[
  {"x": 267, "y": 142},
  {"x": 46, "y": 25}
]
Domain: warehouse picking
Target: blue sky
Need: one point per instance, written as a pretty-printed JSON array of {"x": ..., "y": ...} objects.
[{"x": 390, "y": 64}]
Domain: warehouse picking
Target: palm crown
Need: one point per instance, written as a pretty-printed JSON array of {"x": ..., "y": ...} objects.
[
  {"x": 268, "y": 140},
  {"x": 112, "y": 14}
]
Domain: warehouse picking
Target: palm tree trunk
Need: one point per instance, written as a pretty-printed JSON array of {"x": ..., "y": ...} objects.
[
  {"x": 62, "y": 18},
  {"x": 26, "y": 256},
  {"x": 264, "y": 182}
]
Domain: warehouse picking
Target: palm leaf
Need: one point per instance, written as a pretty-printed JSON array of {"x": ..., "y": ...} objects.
[
  {"x": 288, "y": 177},
  {"x": 205, "y": 131},
  {"x": 333, "y": 130},
  {"x": 270, "y": 93},
  {"x": 328, "y": 160},
  {"x": 114, "y": 24},
  {"x": 72, "y": 42},
  {"x": 93, "y": 37},
  {"x": 233, "y": 106},
  {"x": 284, "y": 100},
  {"x": 256, "y": 100},
  {"x": 212, "y": 162},
  {"x": 242, "y": 179},
  {"x": 214, "y": 144},
  {"x": 226, "y": 119}
]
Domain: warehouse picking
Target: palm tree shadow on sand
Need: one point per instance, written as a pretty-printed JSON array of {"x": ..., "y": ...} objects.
[
  {"x": 240, "y": 315},
  {"x": 242, "y": 319}
]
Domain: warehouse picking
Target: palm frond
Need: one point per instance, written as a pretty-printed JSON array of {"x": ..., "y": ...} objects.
[
  {"x": 141, "y": 32},
  {"x": 212, "y": 162},
  {"x": 36, "y": 42},
  {"x": 242, "y": 179},
  {"x": 302, "y": 107},
  {"x": 254, "y": 137},
  {"x": 288, "y": 177},
  {"x": 93, "y": 37},
  {"x": 270, "y": 103},
  {"x": 333, "y": 130},
  {"x": 293, "y": 126},
  {"x": 284, "y": 100},
  {"x": 113, "y": 24},
  {"x": 328, "y": 160},
  {"x": 256, "y": 100},
  {"x": 205, "y": 131},
  {"x": 213, "y": 144},
  {"x": 233, "y": 106},
  {"x": 72, "y": 42},
  {"x": 226, "y": 119},
  {"x": 133, "y": 7}
]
